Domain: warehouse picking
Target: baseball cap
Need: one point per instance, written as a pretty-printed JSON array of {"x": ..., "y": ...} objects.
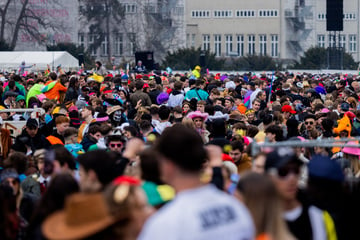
[
  {"x": 288, "y": 108},
  {"x": 31, "y": 122},
  {"x": 280, "y": 157},
  {"x": 324, "y": 167},
  {"x": 345, "y": 106}
]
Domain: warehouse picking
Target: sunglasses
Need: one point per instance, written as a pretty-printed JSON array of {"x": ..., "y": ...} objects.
[
  {"x": 284, "y": 172},
  {"x": 119, "y": 145},
  {"x": 309, "y": 123}
]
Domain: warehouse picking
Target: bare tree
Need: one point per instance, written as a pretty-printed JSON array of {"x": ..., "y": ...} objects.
[
  {"x": 14, "y": 21},
  {"x": 104, "y": 17}
]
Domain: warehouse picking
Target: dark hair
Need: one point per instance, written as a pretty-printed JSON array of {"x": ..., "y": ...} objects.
[
  {"x": 292, "y": 127},
  {"x": 61, "y": 186},
  {"x": 63, "y": 156},
  {"x": 277, "y": 130},
  {"x": 94, "y": 129},
  {"x": 186, "y": 150},
  {"x": 7, "y": 212},
  {"x": 132, "y": 130},
  {"x": 149, "y": 164},
  {"x": 237, "y": 145},
  {"x": 18, "y": 161},
  {"x": 139, "y": 85},
  {"x": 107, "y": 169},
  {"x": 164, "y": 112},
  {"x": 145, "y": 125},
  {"x": 53, "y": 76},
  {"x": 69, "y": 132},
  {"x": 178, "y": 85}
]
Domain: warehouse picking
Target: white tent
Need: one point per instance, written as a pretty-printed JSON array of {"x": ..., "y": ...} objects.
[{"x": 12, "y": 60}]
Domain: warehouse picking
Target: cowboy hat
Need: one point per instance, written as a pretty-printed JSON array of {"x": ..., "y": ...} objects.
[
  {"x": 198, "y": 114},
  {"x": 83, "y": 216},
  {"x": 351, "y": 150}
]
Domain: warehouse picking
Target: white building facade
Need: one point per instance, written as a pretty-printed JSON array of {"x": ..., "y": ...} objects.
[{"x": 282, "y": 29}]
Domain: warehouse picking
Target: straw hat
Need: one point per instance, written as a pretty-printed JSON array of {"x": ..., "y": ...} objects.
[{"x": 83, "y": 216}]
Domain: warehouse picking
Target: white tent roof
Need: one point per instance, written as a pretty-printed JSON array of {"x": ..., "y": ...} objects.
[{"x": 12, "y": 60}]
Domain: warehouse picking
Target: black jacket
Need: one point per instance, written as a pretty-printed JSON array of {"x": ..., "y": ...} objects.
[{"x": 35, "y": 143}]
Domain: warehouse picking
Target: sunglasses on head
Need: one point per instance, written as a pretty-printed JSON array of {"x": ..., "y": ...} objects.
[
  {"x": 119, "y": 145},
  {"x": 309, "y": 123}
]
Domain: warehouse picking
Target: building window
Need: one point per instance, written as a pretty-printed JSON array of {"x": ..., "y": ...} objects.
[
  {"x": 229, "y": 44},
  {"x": 245, "y": 13},
  {"x": 274, "y": 45},
  {"x": 118, "y": 44},
  {"x": 222, "y": 13},
  {"x": 81, "y": 40},
  {"x": 343, "y": 41},
  {"x": 104, "y": 47},
  {"x": 187, "y": 40},
  {"x": 132, "y": 43},
  {"x": 240, "y": 45},
  {"x": 251, "y": 44},
  {"x": 352, "y": 43},
  {"x": 193, "y": 36},
  {"x": 268, "y": 13},
  {"x": 206, "y": 42},
  {"x": 200, "y": 14},
  {"x": 332, "y": 40},
  {"x": 321, "y": 17},
  {"x": 217, "y": 41},
  {"x": 321, "y": 41},
  {"x": 93, "y": 50},
  {"x": 130, "y": 8},
  {"x": 262, "y": 42}
]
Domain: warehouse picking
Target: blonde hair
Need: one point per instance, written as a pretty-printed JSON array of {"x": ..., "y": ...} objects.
[
  {"x": 188, "y": 122},
  {"x": 263, "y": 201}
]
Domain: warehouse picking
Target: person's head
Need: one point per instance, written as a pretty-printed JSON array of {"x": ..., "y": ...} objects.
[
  {"x": 178, "y": 85},
  {"x": 62, "y": 123},
  {"x": 274, "y": 133},
  {"x": 164, "y": 113},
  {"x": 174, "y": 161},
  {"x": 32, "y": 127},
  {"x": 309, "y": 122},
  {"x": 200, "y": 106},
  {"x": 284, "y": 168},
  {"x": 186, "y": 107},
  {"x": 95, "y": 132},
  {"x": 95, "y": 174},
  {"x": 39, "y": 160},
  {"x": 130, "y": 132},
  {"x": 70, "y": 135},
  {"x": 139, "y": 85},
  {"x": 10, "y": 178},
  {"x": 86, "y": 112},
  {"x": 61, "y": 159},
  {"x": 129, "y": 209},
  {"x": 261, "y": 95},
  {"x": 48, "y": 106},
  {"x": 259, "y": 163},
  {"x": 237, "y": 147},
  {"x": 98, "y": 64},
  {"x": 260, "y": 196},
  {"x": 115, "y": 143},
  {"x": 229, "y": 103},
  {"x": 214, "y": 94},
  {"x": 17, "y": 161},
  {"x": 256, "y": 104}
]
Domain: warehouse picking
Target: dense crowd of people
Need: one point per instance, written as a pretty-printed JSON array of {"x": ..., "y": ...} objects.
[{"x": 158, "y": 155}]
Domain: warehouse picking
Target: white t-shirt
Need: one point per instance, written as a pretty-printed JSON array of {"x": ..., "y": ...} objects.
[{"x": 203, "y": 213}]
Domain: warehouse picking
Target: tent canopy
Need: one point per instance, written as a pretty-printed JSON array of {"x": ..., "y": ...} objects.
[{"x": 12, "y": 60}]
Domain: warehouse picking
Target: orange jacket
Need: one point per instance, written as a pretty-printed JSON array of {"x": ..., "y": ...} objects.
[{"x": 54, "y": 93}]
